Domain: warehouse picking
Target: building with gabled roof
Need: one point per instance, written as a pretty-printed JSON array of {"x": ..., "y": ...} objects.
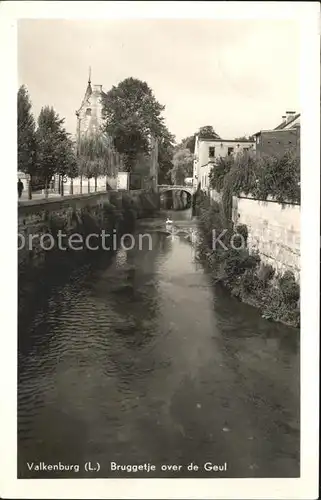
[
  {"x": 284, "y": 137},
  {"x": 90, "y": 113},
  {"x": 289, "y": 120}
]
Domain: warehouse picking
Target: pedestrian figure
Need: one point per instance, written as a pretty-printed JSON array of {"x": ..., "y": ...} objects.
[{"x": 20, "y": 187}]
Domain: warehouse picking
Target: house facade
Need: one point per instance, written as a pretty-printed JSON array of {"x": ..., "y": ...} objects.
[
  {"x": 285, "y": 137},
  {"x": 207, "y": 151}
]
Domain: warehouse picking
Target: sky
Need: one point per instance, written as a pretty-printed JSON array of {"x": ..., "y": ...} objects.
[{"x": 240, "y": 76}]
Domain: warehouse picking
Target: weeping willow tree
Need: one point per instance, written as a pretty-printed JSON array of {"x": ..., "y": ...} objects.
[{"x": 96, "y": 158}]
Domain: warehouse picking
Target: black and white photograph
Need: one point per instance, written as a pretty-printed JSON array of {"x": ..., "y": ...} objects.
[{"x": 164, "y": 271}]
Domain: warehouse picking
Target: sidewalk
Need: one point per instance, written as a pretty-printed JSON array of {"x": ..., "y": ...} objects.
[
  {"x": 36, "y": 196},
  {"x": 40, "y": 196}
]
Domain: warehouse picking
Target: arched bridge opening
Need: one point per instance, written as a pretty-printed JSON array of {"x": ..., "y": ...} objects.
[{"x": 175, "y": 197}]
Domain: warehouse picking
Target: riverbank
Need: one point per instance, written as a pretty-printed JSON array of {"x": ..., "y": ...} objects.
[
  {"x": 57, "y": 236},
  {"x": 242, "y": 272}
]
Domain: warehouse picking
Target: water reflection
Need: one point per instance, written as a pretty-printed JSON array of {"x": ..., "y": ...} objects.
[{"x": 141, "y": 360}]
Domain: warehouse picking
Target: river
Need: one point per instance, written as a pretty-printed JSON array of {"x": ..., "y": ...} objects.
[{"x": 141, "y": 360}]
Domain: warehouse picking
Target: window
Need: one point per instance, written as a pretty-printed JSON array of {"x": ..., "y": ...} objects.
[
  {"x": 258, "y": 139},
  {"x": 230, "y": 151},
  {"x": 88, "y": 111},
  {"x": 211, "y": 152}
]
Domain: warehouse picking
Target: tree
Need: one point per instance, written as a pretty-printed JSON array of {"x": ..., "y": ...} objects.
[
  {"x": 182, "y": 166},
  {"x": 218, "y": 172},
  {"x": 27, "y": 143},
  {"x": 279, "y": 177},
  {"x": 67, "y": 163},
  {"x": 207, "y": 132},
  {"x": 132, "y": 115},
  {"x": 95, "y": 152},
  {"x": 244, "y": 138},
  {"x": 54, "y": 146},
  {"x": 187, "y": 143},
  {"x": 165, "y": 158}
]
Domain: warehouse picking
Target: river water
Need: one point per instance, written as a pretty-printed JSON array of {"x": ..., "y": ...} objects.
[{"x": 141, "y": 360}]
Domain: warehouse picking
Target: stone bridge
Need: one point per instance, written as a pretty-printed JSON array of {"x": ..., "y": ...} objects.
[{"x": 162, "y": 188}]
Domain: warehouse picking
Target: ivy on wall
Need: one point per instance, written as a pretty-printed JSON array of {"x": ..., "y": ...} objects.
[{"x": 262, "y": 177}]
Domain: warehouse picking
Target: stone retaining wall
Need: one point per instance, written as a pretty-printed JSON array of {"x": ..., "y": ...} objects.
[
  {"x": 274, "y": 230},
  {"x": 81, "y": 214}
]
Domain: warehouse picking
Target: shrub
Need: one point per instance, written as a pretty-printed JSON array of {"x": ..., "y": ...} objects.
[
  {"x": 274, "y": 306},
  {"x": 243, "y": 175},
  {"x": 210, "y": 218},
  {"x": 237, "y": 261},
  {"x": 243, "y": 231},
  {"x": 266, "y": 176},
  {"x": 289, "y": 287},
  {"x": 266, "y": 273},
  {"x": 218, "y": 172},
  {"x": 279, "y": 177},
  {"x": 245, "y": 275}
]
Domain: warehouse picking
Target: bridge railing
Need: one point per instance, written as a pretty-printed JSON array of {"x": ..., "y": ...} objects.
[
  {"x": 175, "y": 186},
  {"x": 172, "y": 187}
]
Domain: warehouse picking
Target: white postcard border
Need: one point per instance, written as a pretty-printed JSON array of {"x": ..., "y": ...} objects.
[{"x": 305, "y": 487}]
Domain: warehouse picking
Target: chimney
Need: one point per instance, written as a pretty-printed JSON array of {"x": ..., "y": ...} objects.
[
  {"x": 284, "y": 119},
  {"x": 289, "y": 115},
  {"x": 98, "y": 89}
]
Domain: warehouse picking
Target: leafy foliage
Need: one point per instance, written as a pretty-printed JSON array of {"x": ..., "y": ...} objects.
[
  {"x": 217, "y": 174},
  {"x": 279, "y": 177},
  {"x": 243, "y": 273},
  {"x": 95, "y": 155},
  {"x": 266, "y": 273},
  {"x": 27, "y": 144},
  {"x": 289, "y": 287},
  {"x": 187, "y": 143},
  {"x": 55, "y": 149},
  {"x": 67, "y": 158},
  {"x": 165, "y": 158},
  {"x": 244, "y": 138},
  {"x": 132, "y": 116},
  {"x": 207, "y": 132},
  {"x": 182, "y": 166},
  {"x": 263, "y": 177},
  {"x": 243, "y": 174}
]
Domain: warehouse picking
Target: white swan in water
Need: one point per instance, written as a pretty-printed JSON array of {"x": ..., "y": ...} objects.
[{"x": 168, "y": 221}]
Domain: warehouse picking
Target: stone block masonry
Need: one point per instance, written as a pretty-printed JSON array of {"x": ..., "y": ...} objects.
[{"x": 274, "y": 231}]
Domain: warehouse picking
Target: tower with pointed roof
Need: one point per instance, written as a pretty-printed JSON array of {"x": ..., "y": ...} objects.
[{"x": 89, "y": 115}]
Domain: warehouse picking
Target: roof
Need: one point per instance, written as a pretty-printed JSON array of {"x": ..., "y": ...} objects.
[
  {"x": 226, "y": 140},
  {"x": 281, "y": 126},
  {"x": 273, "y": 130},
  {"x": 88, "y": 93},
  {"x": 86, "y": 96},
  {"x": 285, "y": 124}
]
